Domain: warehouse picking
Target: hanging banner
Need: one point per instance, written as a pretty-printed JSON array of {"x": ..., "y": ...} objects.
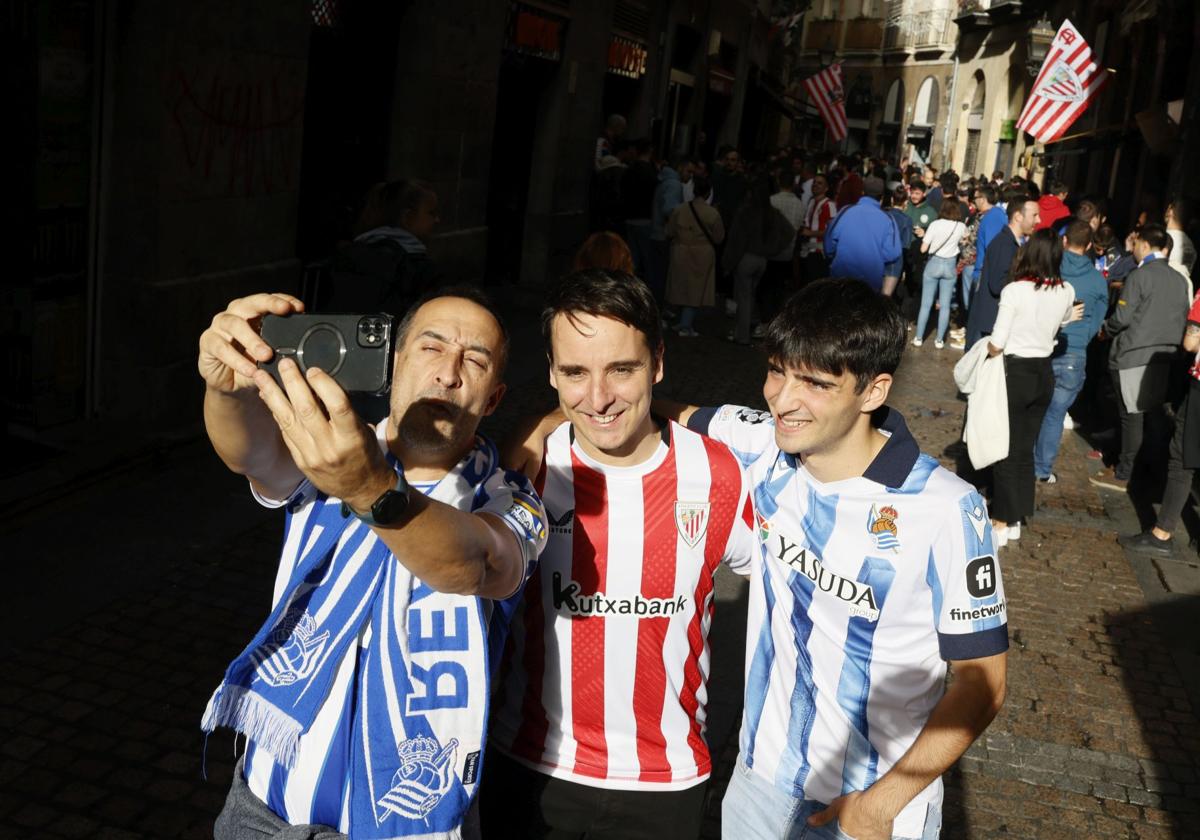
[{"x": 1067, "y": 83}]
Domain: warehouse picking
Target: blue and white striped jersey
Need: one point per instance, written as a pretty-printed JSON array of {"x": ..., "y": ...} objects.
[
  {"x": 862, "y": 590},
  {"x": 317, "y": 787}
]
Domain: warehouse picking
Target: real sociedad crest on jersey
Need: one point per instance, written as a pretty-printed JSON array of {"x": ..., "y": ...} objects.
[
  {"x": 881, "y": 524},
  {"x": 691, "y": 518}
]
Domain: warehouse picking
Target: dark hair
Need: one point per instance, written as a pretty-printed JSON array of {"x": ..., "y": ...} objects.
[
  {"x": 1155, "y": 235},
  {"x": 1016, "y": 203},
  {"x": 1078, "y": 233},
  {"x": 1089, "y": 208},
  {"x": 1040, "y": 259},
  {"x": 1058, "y": 188},
  {"x": 604, "y": 293},
  {"x": 701, "y": 186},
  {"x": 604, "y": 249},
  {"x": 899, "y": 195},
  {"x": 951, "y": 209},
  {"x": 916, "y": 184},
  {"x": 987, "y": 191},
  {"x": 949, "y": 182},
  {"x": 400, "y": 197},
  {"x": 476, "y": 296},
  {"x": 1105, "y": 237},
  {"x": 838, "y": 325},
  {"x": 1181, "y": 208}
]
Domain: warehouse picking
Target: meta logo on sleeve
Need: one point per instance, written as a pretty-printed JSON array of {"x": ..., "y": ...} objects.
[{"x": 981, "y": 577}]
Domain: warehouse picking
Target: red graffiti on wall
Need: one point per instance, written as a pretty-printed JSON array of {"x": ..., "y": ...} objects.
[{"x": 239, "y": 133}]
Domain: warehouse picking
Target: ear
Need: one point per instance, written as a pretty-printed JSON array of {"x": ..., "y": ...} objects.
[
  {"x": 494, "y": 399},
  {"x": 876, "y": 393},
  {"x": 550, "y": 365},
  {"x": 658, "y": 363}
]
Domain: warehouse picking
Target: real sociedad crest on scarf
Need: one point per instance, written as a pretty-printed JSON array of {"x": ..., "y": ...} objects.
[
  {"x": 292, "y": 651},
  {"x": 426, "y": 773},
  {"x": 881, "y": 524},
  {"x": 691, "y": 518}
]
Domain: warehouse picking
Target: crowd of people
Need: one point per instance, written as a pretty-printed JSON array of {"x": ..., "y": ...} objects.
[
  {"x": 470, "y": 642},
  {"x": 947, "y": 248}
]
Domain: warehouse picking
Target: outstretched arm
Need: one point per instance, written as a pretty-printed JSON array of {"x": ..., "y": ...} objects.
[
  {"x": 240, "y": 427},
  {"x": 451, "y": 550}
]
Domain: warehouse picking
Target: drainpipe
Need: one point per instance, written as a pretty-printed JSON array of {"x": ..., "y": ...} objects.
[{"x": 951, "y": 111}]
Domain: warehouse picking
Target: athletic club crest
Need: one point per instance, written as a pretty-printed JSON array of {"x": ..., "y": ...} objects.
[
  {"x": 1061, "y": 84},
  {"x": 691, "y": 518},
  {"x": 881, "y": 524}
]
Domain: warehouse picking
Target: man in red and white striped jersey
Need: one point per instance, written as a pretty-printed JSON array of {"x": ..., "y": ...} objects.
[{"x": 598, "y": 719}]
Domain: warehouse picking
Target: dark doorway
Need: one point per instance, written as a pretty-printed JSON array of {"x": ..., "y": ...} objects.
[
  {"x": 347, "y": 112},
  {"x": 523, "y": 80}
]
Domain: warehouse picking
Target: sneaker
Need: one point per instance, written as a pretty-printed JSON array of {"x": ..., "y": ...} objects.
[
  {"x": 1147, "y": 543},
  {"x": 961, "y": 332},
  {"x": 958, "y": 344},
  {"x": 1050, "y": 479},
  {"x": 687, "y": 332},
  {"x": 917, "y": 342},
  {"x": 1107, "y": 479},
  {"x": 999, "y": 536},
  {"x": 1068, "y": 423},
  {"x": 758, "y": 332},
  {"x": 1013, "y": 532},
  {"x": 1095, "y": 455},
  {"x": 939, "y": 344},
  {"x": 730, "y": 307}
]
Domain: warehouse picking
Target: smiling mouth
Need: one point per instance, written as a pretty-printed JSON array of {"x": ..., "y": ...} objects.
[
  {"x": 604, "y": 419},
  {"x": 792, "y": 423}
]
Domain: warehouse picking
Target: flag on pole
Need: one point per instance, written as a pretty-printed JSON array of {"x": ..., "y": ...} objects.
[
  {"x": 825, "y": 88},
  {"x": 1067, "y": 83}
]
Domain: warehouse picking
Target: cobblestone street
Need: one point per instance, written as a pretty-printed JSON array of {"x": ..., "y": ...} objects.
[{"x": 136, "y": 591}]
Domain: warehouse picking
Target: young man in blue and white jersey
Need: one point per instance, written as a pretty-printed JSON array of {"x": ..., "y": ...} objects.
[
  {"x": 364, "y": 694},
  {"x": 876, "y": 568}
]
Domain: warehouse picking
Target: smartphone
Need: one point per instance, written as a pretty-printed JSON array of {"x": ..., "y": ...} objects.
[{"x": 356, "y": 350}]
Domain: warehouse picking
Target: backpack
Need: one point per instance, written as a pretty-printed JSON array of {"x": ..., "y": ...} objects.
[{"x": 377, "y": 275}]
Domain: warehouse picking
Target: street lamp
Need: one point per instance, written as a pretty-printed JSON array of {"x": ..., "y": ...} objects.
[{"x": 1041, "y": 36}]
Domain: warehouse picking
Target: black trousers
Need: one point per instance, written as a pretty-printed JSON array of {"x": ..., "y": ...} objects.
[
  {"x": 522, "y": 804},
  {"x": 1030, "y": 384},
  {"x": 1181, "y": 458}
]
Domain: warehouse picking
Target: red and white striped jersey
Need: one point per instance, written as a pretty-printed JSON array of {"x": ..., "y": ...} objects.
[{"x": 604, "y": 678}]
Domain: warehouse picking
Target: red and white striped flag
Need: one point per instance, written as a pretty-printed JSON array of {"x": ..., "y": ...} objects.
[
  {"x": 825, "y": 88},
  {"x": 1069, "y": 80}
]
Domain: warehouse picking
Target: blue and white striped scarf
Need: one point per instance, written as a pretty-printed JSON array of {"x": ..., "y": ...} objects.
[{"x": 422, "y": 685}]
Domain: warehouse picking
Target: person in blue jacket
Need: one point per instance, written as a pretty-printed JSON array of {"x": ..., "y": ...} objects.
[
  {"x": 1070, "y": 360},
  {"x": 992, "y": 220},
  {"x": 863, "y": 239}
]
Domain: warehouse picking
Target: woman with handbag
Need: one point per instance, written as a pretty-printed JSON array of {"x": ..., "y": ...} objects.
[
  {"x": 694, "y": 230},
  {"x": 941, "y": 244},
  {"x": 1034, "y": 306}
]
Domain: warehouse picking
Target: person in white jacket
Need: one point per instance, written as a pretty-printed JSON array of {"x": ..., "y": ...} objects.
[{"x": 1033, "y": 308}]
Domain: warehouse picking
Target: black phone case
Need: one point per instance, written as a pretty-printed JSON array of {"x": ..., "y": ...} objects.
[{"x": 356, "y": 350}]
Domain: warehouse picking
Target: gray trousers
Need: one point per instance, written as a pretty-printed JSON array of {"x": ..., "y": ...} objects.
[
  {"x": 746, "y": 277},
  {"x": 246, "y": 817}
]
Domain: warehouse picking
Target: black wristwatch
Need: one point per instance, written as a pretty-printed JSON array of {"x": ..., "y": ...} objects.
[{"x": 388, "y": 509}]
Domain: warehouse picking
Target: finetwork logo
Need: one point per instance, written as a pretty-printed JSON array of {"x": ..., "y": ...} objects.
[
  {"x": 860, "y": 596},
  {"x": 570, "y": 600},
  {"x": 978, "y": 612}
]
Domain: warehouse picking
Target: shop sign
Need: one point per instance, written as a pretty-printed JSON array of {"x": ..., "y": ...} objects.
[
  {"x": 626, "y": 58},
  {"x": 536, "y": 34}
]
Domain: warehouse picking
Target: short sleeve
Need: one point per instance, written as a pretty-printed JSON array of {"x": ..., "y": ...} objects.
[
  {"x": 509, "y": 496},
  {"x": 969, "y": 607},
  {"x": 748, "y": 432},
  {"x": 743, "y": 543},
  {"x": 304, "y": 492}
]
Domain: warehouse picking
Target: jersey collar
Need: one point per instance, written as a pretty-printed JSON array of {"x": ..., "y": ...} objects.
[{"x": 896, "y": 460}]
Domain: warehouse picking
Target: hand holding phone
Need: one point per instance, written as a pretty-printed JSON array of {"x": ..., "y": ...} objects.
[{"x": 356, "y": 350}]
